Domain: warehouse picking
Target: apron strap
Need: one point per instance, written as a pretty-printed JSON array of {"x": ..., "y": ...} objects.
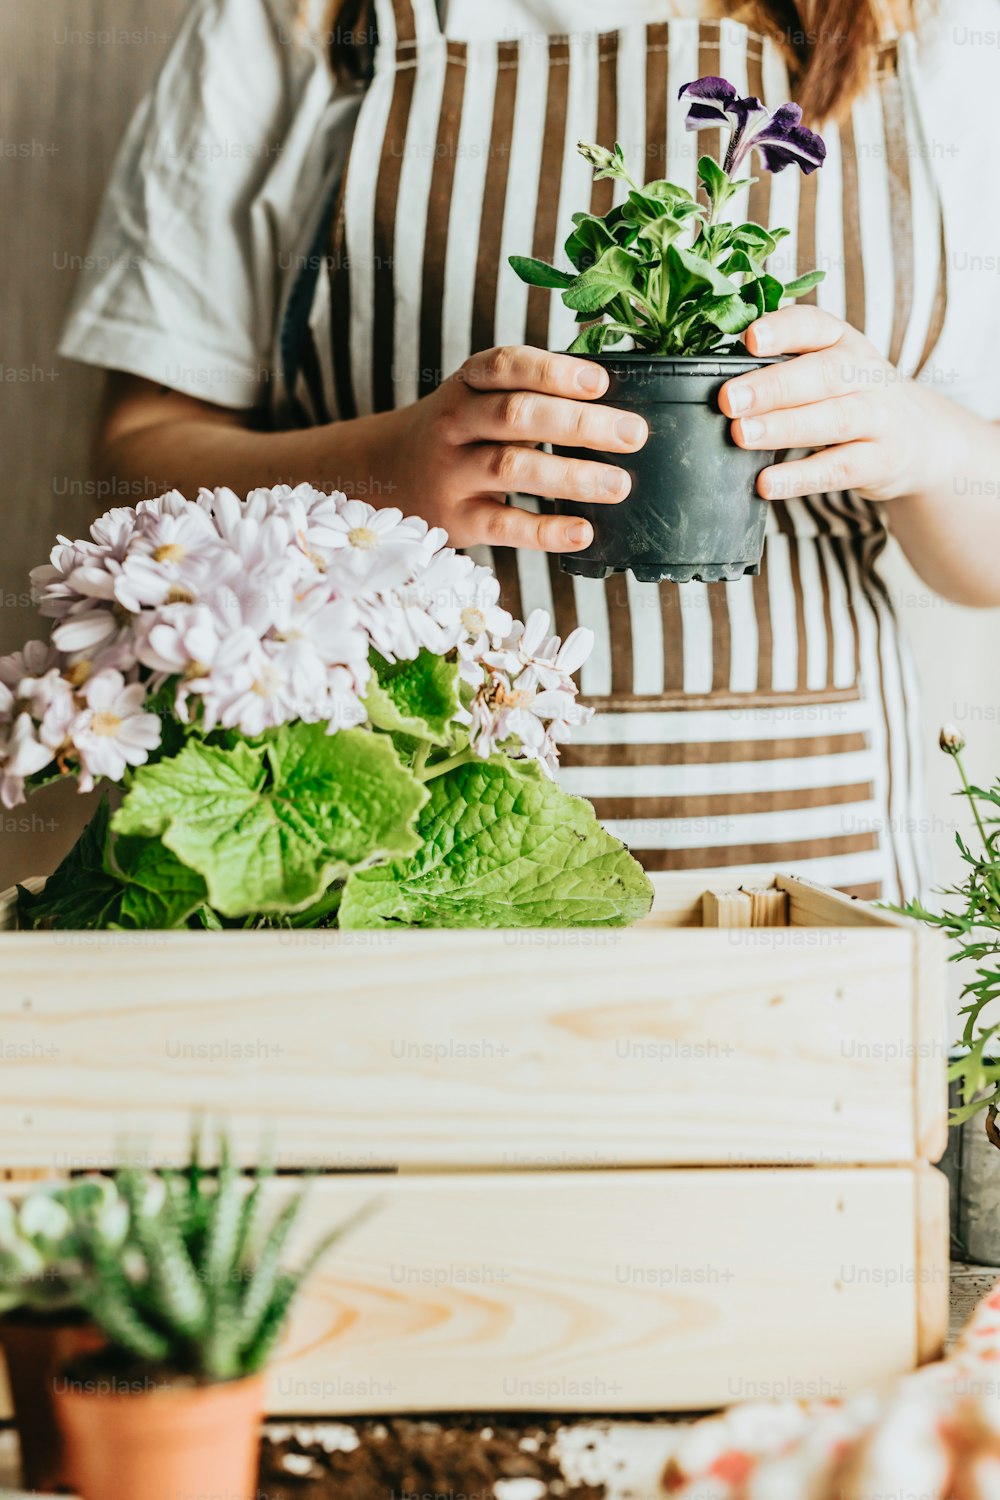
[{"x": 405, "y": 22}]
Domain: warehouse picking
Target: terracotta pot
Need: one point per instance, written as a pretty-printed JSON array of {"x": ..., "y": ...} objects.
[
  {"x": 34, "y": 1349},
  {"x": 161, "y": 1442}
]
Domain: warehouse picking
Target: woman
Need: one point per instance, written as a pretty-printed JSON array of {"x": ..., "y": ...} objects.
[{"x": 271, "y": 315}]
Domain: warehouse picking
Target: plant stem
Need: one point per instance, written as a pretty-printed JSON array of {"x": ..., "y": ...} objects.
[
  {"x": 420, "y": 759},
  {"x": 442, "y": 767},
  {"x": 957, "y": 754}
]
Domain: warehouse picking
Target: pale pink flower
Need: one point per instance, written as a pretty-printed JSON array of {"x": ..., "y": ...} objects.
[
  {"x": 112, "y": 731},
  {"x": 34, "y": 658},
  {"x": 21, "y": 752}
]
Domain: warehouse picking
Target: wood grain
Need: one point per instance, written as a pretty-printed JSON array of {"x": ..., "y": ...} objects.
[
  {"x": 627, "y": 1291},
  {"x": 932, "y": 1258},
  {"x": 486, "y": 1049}
]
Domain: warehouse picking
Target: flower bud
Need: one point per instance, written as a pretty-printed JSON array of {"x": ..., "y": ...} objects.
[{"x": 951, "y": 740}]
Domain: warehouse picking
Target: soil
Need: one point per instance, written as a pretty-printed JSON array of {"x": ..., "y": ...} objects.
[{"x": 458, "y": 1458}]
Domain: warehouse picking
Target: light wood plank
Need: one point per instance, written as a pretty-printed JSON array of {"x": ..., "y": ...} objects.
[
  {"x": 933, "y": 1263},
  {"x": 813, "y": 905},
  {"x": 726, "y": 909},
  {"x": 630, "y": 1291},
  {"x": 511, "y": 1050},
  {"x": 768, "y": 908}
]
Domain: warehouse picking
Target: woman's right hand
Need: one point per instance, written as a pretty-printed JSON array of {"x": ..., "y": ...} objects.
[{"x": 475, "y": 440}]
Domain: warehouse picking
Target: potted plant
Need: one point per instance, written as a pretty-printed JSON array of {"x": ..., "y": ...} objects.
[
  {"x": 42, "y": 1323},
  {"x": 192, "y": 1304},
  {"x": 316, "y": 713},
  {"x": 973, "y": 923},
  {"x": 668, "y": 272}
]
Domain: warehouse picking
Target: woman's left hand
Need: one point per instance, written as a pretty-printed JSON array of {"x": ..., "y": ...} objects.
[{"x": 878, "y": 432}]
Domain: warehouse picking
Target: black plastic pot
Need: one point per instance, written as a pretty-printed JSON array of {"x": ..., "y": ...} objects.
[{"x": 693, "y": 511}]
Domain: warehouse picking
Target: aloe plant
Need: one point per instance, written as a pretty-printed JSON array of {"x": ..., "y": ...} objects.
[
  {"x": 198, "y": 1287},
  {"x": 46, "y": 1240}
]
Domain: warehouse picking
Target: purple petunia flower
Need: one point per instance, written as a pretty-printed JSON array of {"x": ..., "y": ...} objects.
[{"x": 779, "y": 136}]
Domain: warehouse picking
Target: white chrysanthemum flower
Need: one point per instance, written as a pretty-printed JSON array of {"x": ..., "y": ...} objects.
[
  {"x": 524, "y": 691},
  {"x": 174, "y": 558},
  {"x": 33, "y": 660},
  {"x": 22, "y": 753},
  {"x": 112, "y": 731}
]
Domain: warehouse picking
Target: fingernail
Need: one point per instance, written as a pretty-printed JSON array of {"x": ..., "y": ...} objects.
[
  {"x": 593, "y": 380},
  {"x": 613, "y": 481},
  {"x": 580, "y": 534},
  {"x": 763, "y": 338},
  {"x": 631, "y": 430},
  {"x": 740, "y": 397},
  {"x": 752, "y": 429}
]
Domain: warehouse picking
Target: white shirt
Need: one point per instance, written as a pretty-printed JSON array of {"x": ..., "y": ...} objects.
[{"x": 227, "y": 165}]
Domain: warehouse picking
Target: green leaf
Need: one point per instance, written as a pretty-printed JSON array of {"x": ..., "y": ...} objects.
[
  {"x": 715, "y": 181},
  {"x": 616, "y": 274},
  {"x": 538, "y": 273},
  {"x": 595, "y": 338},
  {"x": 804, "y": 283},
  {"x": 160, "y": 892},
  {"x": 740, "y": 262},
  {"x": 755, "y": 238},
  {"x": 270, "y": 826},
  {"x": 728, "y": 314},
  {"x": 690, "y": 271},
  {"x": 679, "y": 197},
  {"x": 417, "y": 698},
  {"x": 503, "y": 847},
  {"x": 589, "y": 240},
  {"x": 82, "y": 892}
]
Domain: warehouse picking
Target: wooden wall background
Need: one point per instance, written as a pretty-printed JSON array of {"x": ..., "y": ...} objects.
[{"x": 71, "y": 71}]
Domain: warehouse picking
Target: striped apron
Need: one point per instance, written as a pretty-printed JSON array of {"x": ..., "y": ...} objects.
[{"x": 765, "y": 722}]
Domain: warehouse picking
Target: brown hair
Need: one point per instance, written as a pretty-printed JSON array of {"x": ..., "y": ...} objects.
[{"x": 830, "y": 44}]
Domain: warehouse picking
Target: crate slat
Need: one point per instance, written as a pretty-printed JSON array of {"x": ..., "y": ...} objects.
[
  {"x": 626, "y": 1291},
  {"x": 508, "y": 1050}
]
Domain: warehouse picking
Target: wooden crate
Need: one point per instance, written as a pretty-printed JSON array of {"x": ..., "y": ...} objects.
[{"x": 663, "y": 1168}]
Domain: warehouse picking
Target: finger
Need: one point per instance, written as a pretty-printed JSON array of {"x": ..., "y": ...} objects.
[
  {"x": 842, "y": 420},
  {"x": 798, "y": 382},
  {"x": 526, "y": 417},
  {"x": 852, "y": 466},
  {"x": 516, "y": 367},
  {"x": 795, "y": 330},
  {"x": 498, "y": 525},
  {"x": 512, "y": 470}
]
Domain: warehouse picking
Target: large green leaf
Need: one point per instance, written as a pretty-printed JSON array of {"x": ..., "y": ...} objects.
[
  {"x": 595, "y": 338},
  {"x": 159, "y": 890},
  {"x": 270, "y": 825},
  {"x": 692, "y": 272},
  {"x": 804, "y": 283},
  {"x": 539, "y": 273},
  {"x": 589, "y": 240},
  {"x": 728, "y": 314},
  {"x": 417, "y": 698},
  {"x": 82, "y": 892},
  {"x": 503, "y": 846},
  {"x": 616, "y": 274}
]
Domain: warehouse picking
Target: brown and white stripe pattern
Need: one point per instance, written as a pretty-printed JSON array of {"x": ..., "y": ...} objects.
[{"x": 767, "y": 720}]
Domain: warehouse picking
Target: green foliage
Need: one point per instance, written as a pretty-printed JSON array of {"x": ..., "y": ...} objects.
[
  {"x": 198, "y": 1287},
  {"x": 972, "y": 921},
  {"x": 503, "y": 847},
  {"x": 45, "y": 1239},
  {"x": 269, "y": 825},
  {"x": 399, "y": 822},
  {"x": 671, "y": 298}
]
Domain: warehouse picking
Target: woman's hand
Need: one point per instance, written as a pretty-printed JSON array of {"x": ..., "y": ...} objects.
[
  {"x": 877, "y": 432},
  {"x": 476, "y": 439}
]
